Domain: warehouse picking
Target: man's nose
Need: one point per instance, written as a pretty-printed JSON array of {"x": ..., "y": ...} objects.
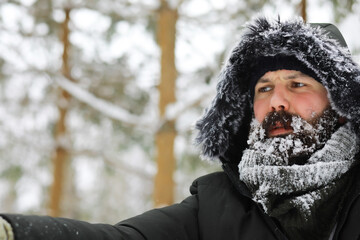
[{"x": 279, "y": 100}]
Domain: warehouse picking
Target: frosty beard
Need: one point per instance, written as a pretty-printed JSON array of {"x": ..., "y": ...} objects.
[{"x": 296, "y": 147}]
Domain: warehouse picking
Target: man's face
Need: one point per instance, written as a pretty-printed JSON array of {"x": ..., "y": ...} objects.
[{"x": 292, "y": 92}]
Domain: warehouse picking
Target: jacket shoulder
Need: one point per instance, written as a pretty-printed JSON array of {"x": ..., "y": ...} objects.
[
  {"x": 212, "y": 178},
  {"x": 215, "y": 179}
]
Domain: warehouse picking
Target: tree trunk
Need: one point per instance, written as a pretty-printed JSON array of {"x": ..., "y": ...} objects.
[
  {"x": 303, "y": 10},
  {"x": 61, "y": 154},
  {"x": 164, "y": 183}
]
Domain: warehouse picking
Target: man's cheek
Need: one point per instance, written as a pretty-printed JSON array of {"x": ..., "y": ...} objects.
[
  {"x": 311, "y": 113},
  {"x": 260, "y": 111}
]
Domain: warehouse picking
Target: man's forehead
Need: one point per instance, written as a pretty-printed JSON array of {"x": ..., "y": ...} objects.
[{"x": 285, "y": 74}]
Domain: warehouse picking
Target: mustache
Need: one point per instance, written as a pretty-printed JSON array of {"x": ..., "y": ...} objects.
[{"x": 277, "y": 119}]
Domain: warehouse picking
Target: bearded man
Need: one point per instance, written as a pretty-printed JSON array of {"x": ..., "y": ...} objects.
[{"x": 284, "y": 125}]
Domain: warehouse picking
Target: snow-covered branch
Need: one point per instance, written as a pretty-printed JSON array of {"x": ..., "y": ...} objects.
[
  {"x": 173, "y": 111},
  {"x": 107, "y": 108},
  {"x": 115, "y": 164}
]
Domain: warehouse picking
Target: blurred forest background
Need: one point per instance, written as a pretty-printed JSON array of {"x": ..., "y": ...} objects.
[{"x": 98, "y": 98}]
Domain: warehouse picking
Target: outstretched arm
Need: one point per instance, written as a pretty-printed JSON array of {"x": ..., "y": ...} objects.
[
  {"x": 178, "y": 221},
  {"x": 32, "y": 227}
]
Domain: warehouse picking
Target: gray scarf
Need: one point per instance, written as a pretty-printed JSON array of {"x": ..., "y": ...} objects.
[{"x": 281, "y": 188}]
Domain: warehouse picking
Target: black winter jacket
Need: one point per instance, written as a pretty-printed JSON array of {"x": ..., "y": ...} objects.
[{"x": 216, "y": 210}]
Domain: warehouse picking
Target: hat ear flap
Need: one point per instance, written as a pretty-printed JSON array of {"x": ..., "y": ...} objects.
[{"x": 222, "y": 120}]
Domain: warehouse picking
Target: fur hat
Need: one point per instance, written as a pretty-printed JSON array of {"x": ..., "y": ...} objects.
[{"x": 321, "y": 50}]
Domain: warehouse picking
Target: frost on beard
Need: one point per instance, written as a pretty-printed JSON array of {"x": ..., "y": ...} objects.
[{"x": 305, "y": 139}]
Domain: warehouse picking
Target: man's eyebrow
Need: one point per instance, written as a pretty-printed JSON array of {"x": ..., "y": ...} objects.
[
  {"x": 263, "y": 80},
  {"x": 295, "y": 75},
  {"x": 288, "y": 77}
]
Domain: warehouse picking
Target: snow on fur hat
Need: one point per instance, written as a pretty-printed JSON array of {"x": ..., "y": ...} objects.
[{"x": 224, "y": 127}]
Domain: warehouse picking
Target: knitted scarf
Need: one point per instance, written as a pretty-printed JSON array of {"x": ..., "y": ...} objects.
[{"x": 303, "y": 198}]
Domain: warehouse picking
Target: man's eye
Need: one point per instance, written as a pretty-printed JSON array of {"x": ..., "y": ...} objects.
[
  {"x": 264, "y": 89},
  {"x": 298, "y": 84}
]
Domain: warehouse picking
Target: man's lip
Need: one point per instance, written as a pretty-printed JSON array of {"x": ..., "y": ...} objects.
[{"x": 279, "y": 131}]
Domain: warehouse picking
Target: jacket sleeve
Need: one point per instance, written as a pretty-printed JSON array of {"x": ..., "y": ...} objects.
[
  {"x": 178, "y": 221},
  {"x": 31, "y": 227}
]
